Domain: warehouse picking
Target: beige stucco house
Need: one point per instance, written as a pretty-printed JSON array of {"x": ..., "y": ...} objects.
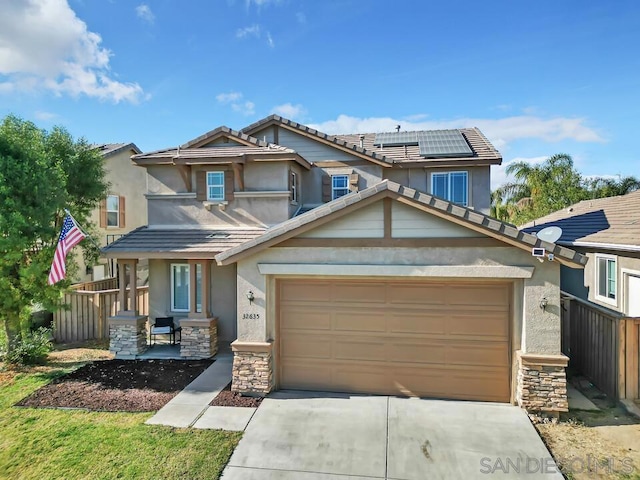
[
  {"x": 123, "y": 210},
  {"x": 351, "y": 263},
  {"x": 607, "y": 232}
]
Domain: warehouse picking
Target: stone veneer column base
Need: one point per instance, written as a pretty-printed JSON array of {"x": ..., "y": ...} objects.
[
  {"x": 199, "y": 338},
  {"x": 128, "y": 335},
  {"x": 542, "y": 385},
  {"x": 252, "y": 368}
]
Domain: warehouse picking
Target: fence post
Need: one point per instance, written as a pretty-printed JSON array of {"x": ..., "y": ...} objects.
[
  {"x": 98, "y": 308},
  {"x": 631, "y": 359}
]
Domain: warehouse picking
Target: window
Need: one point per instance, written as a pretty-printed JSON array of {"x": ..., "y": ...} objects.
[
  {"x": 294, "y": 187},
  {"x": 215, "y": 186},
  {"x": 339, "y": 186},
  {"x": 452, "y": 186},
  {"x": 606, "y": 275},
  {"x": 113, "y": 211},
  {"x": 181, "y": 288}
]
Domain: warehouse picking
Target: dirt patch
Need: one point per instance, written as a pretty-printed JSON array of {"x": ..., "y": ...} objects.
[
  {"x": 87, "y": 351},
  {"x": 227, "y": 398},
  {"x": 119, "y": 385},
  {"x": 602, "y": 444}
]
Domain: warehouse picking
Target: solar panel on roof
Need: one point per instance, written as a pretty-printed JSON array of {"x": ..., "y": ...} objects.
[
  {"x": 395, "y": 139},
  {"x": 443, "y": 143}
]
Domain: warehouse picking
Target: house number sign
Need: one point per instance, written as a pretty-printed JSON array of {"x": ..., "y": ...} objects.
[{"x": 251, "y": 316}]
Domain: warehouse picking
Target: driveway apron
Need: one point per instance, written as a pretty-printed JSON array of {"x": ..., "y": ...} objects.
[{"x": 332, "y": 436}]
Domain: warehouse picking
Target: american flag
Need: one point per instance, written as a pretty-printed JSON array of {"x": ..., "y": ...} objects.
[{"x": 70, "y": 236}]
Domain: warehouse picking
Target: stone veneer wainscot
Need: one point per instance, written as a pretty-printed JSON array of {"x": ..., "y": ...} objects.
[
  {"x": 128, "y": 335},
  {"x": 199, "y": 338},
  {"x": 252, "y": 368},
  {"x": 542, "y": 385}
]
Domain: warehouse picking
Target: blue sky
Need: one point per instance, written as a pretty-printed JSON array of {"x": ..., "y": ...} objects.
[{"x": 538, "y": 78}]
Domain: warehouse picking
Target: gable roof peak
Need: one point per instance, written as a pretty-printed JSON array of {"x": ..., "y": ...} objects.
[{"x": 436, "y": 206}]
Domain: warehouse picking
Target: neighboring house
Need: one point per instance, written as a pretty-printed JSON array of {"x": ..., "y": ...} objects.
[
  {"x": 352, "y": 263},
  {"x": 123, "y": 210},
  {"x": 607, "y": 232}
]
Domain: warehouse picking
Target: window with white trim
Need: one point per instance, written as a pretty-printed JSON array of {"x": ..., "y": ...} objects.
[
  {"x": 215, "y": 186},
  {"x": 606, "y": 276},
  {"x": 113, "y": 211},
  {"x": 339, "y": 186},
  {"x": 452, "y": 186},
  {"x": 181, "y": 287},
  {"x": 294, "y": 187}
]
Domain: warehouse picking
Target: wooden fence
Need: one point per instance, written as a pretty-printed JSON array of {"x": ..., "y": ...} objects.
[
  {"x": 86, "y": 317},
  {"x": 104, "y": 284},
  {"x": 602, "y": 345}
]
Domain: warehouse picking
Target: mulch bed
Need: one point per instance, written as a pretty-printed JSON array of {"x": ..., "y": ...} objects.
[
  {"x": 227, "y": 398},
  {"x": 118, "y": 385}
]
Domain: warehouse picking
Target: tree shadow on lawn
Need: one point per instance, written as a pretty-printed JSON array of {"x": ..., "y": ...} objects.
[{"x": 117, "y": 385}]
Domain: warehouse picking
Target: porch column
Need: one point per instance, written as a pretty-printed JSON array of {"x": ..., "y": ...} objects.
[
  {"x": 127, "y": 277},
  {"x": 199, "y": 337},
  {"x": 128, "y": 329}
]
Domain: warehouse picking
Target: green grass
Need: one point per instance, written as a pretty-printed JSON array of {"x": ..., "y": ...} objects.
[{"x": 70, "y": 444}]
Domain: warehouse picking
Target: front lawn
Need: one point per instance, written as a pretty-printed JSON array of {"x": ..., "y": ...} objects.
[{"x": 73, "y": 444}]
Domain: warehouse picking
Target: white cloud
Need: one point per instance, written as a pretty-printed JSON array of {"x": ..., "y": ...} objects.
[
  {"x": 45, "y": 116},
  {"x": 144, "y": 12},
  {"x": 499, "y": 131},
  {"x": 289, "y": 110},
  {"x": 245, "y": 108},
  {"x": 255, "y": 31},
  {"x": 235, "y": 99},
  {"x": 251, "y": 31},
  {"x": 261, "y": 3},
  {"x": 228, "y": 97},
  {"x": 499, "y": 172},
  {"x": 45, "y": 46}
]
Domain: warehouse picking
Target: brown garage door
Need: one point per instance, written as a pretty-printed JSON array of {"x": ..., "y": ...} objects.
[{"x": 447, "y": 340}]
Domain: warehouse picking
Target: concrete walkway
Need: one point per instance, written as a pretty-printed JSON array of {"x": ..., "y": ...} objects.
[{"x": 190, "y": 408}]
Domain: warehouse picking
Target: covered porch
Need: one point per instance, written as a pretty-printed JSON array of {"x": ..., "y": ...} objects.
[
  {"x": 184, "y": 283},
  {"x": 196, "y": 332}
]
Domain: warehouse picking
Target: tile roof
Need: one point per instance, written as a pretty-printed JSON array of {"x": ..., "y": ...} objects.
[
  {"x": 108, "y": 149},
  {"x": 213, "y": 152},
  {"x": 483, "y": 151},
  {"x": 154, "y": 242},
  {"x": 612, "y": 222},
  {"x": 465, "y": 216}
]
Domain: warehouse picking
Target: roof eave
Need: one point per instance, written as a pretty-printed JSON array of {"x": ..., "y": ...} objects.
[{"x": 604, "y": 246}]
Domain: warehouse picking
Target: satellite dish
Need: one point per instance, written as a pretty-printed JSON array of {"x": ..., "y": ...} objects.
[{"x": 550, "y": 234}]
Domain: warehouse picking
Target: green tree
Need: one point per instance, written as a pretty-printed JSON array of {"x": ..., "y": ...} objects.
[
  {"x": 41, "y": 174},
  {"x": 538, "y": 190}
]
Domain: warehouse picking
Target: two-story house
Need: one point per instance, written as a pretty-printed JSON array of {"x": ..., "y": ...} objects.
[
  {"x": 123, "y": 209},
  {"x": 352, "y": 263}
]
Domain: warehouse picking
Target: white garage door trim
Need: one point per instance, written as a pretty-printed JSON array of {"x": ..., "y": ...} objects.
[{"x": 457, "y": 271}]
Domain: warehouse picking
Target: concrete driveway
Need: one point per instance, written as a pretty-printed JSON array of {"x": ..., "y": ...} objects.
[{"x": 318, "y": 436}]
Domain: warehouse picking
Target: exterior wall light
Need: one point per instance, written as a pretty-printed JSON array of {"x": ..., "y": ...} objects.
[
  {"x": 543, "y": 303},
  {"x": 250, "y": 297}
]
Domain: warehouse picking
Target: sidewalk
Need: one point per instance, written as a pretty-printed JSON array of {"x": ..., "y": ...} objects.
[{"x": 190, "y": 408}]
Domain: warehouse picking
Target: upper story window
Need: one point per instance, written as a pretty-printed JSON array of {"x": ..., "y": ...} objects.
[
  {"x": 339, "y": 186},
  {"x": 606, "y": 275},
  {"x": 215, "y": 186},
  {"x": 452, "y": 186},
  {"x": 293, "y": 182},
  {"x": 113, "y": 211}
]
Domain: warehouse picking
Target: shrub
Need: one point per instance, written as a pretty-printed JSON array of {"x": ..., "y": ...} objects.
[{"x": 32, "y": 348}]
